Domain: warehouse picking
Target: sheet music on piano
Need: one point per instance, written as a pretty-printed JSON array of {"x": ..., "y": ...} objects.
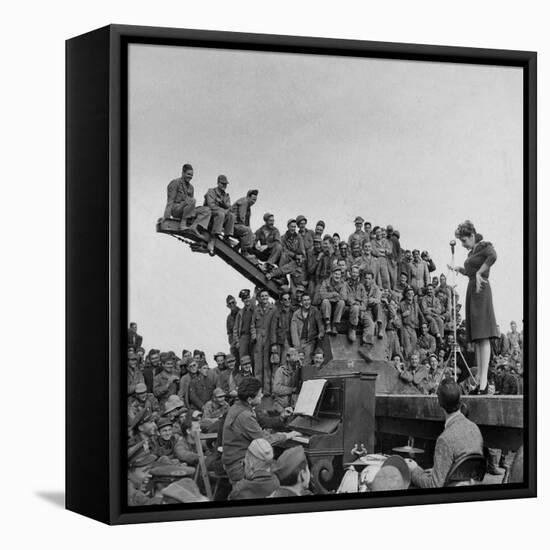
[{"x": 309, "y": 396}]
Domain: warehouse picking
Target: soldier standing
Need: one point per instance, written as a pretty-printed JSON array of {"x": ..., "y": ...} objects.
[{"x": 261, "y": 319}]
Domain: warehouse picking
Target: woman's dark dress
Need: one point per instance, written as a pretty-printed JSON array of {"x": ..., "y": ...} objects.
[{"x": 480, "y": 315}]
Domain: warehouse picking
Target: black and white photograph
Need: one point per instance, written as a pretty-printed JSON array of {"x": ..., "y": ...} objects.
[{"x": 325, "y": 276}]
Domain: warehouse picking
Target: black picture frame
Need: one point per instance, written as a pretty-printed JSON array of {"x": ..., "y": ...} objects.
[{"x": 96, "y": 270}]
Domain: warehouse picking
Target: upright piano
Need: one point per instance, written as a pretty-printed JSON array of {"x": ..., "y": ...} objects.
[{"x": 343, "y": 419}]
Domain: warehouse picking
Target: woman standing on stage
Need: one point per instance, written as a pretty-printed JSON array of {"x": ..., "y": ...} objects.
[{"x": 480, "y": 316}]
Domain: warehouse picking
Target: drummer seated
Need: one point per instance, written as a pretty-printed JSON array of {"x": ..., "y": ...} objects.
[{"x": 459, "y": 438}]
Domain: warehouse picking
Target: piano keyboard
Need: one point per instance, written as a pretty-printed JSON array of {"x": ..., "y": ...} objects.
[{"x": 301, "y": 439}]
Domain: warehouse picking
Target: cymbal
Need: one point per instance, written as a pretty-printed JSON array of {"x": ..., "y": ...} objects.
[{"x": 407, "y": 449}]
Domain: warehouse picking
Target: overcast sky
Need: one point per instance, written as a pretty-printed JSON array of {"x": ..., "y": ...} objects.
[{"x": 422, "y": 146}]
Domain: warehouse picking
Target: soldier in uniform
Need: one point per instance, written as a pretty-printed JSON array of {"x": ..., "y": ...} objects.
[
  {"x": 219, "y": 203},
  {"x": 304, "y": 232},
  {"x": 165, "y": 383},
  {"x": 279, "y": 330},
  {"x": 392, "y": 318},
  {"x": 245, "y": 371},
  {"x": 285, "y": 381},
  {"x": 172, "y": 446},
  {"x": 143, "y": 402},
  {"x": 259, "y": 330},
  {"x": 214, "y": 410},
  {"x": 425, "y": 343},
  {"x": 134, "y": 339},
  {"x": 292, "y": 242},
  {"x": 185, "y": 382},
  {"x": 226, "y": 379},
  {"x": 333, "y": 300},
  {"x": 181, "y": 203},
  {"x": 420, "y": 276},
  {"x": 382, "y": 249},
  {"x": 267, "y": 246},
  {"x": 411, "y": 317},
  {"x": 138, "y": 475},
  {"x": 135, "y": 376},
  {"x": 201, "y": 388},
  {"x": 356, "y": 301},
  {"x": 372, "y": 316},
  {"x": 358, "y": 235},
  {"x": 433, "y": 312},
  {"x": 293, "y": 473},
  {"x": 241, "y": 230},
  {"x": 231, "y": 303},
  {"x": 243, "y": 324}
]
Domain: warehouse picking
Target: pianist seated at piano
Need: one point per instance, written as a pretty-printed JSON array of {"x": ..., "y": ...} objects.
[
  {"x": 293, "y": 473},
  {"x": 241, "y": 427}
]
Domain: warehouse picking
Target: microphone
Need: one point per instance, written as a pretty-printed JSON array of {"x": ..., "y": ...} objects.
[{"x": 452, "y": 245}]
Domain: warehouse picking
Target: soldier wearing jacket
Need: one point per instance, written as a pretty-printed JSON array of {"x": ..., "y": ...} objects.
[
  {"x": 306, "y": 234},
  {"x": 241, "y": 212},
  {"x": 373, "y": 312},
  {"x": 135, "y": 375},
  {"x": 382, "y": 249},
  {"x": 219, "y": 203},
  {"x": 142, "y": 404},
  {"x": 358, "y": 235},
  {"x": 292, "y": 243},
  {"x": 165, "y": 383},
  {"x": 333, "y": 300},
  {"x": 279, "y": 330},
  {"x": 323, "y": 268},
  {"x": 411, "y": 316},
  {"x": 392, "y": 318},
  {"x": 420, "y": 276},
  {"x": 242, "y": 330},
  {"x": 433, "y": 312},
  {"x": 201, "y": 388},
  {"x": 313, "y": 256},
  {"x": 369, "y": 262},
  {"x": 170, "y": 445},
  {"x": 259, "y": 330},
  {"x": 306, "y": 328},
  {"x": 426, "y": 344},
  {"x": 181, "y": 204},
  {"x": 285, "y": 381},
  {"x": 356, "y": 301},
  {"x": 267, "y": 241},
  {"x": 241, "y": 427},
  {"x": 185, "y": 381}
]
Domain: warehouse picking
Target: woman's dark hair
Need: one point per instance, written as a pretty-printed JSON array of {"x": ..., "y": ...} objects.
[
  {"x": 465, "y": 229},
  {"x": 249, "y": 387}
]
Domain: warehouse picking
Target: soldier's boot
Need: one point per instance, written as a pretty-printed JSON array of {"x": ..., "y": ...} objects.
[
  {"x": 210, "y": 246},
  {"x": 328, "y": 328},
  {"x": 351, "y": 333},
  {"x": 492, "y": 463},
  {"x": 333, "y": 329},
  {"x": 365, "y": 353},
  {"x": 380, "y": 329}
]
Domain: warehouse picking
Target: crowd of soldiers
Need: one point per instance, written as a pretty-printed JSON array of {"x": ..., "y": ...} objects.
[{"x": 367, "y": 287}]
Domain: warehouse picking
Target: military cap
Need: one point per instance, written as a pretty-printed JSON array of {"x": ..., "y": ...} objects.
[
  {"x": 393, "y": 475},
  {"x": 219, "y": 354},
  {"x": 251, "y": 192},
  {"x": 336, "y": 268},
  {"x": 320, "y": 222},
  {"x": 141, "y": 388},
  {"x": 163, "y": 422},
  {"x": 267, "y": 215},
  {"x": 229, "y": 357},
  {"x": 359, "y": 219},
  {"x": 261, "y": 448},
  {"x": 229, "y": 299},
  {"x": 196, "y": 352},
  {"x": 300, "y": 218},
  {"x": 173, "y": 403},
  {"x": 245, "y": 360},
  {"x": 163, "y": 356},
  {"x": 195, "y": 415},
  {"x": 244, "y": 293},
  {"x": 289, "y": 461},
  {"x": 292, "y": 220},
  {"x": 284, "y": 288},
  {"x": 141, "y": 459},
  {"x": 317, "y": 238},
  {"x": 396, "y": 233},
  {"x": 222, "y": 179},
  {"x": 300, "y": 288},
  {"x": 171, "y": 472},
  {"x": 218, "y": 392}
]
